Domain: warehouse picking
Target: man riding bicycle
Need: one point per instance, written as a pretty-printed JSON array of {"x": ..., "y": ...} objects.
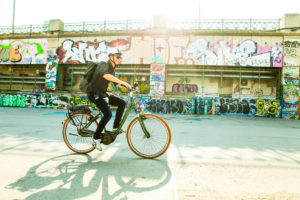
[{"x": 105, "y": 73}]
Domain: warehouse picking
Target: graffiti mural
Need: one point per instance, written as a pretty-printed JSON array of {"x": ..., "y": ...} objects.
[
  {"x": 246, "y": 53},
  {"x": 196, "y": 105},
  {"x": 291, "y": 94},
  {"x": 290, "y": 98},
  {"x": 268, "y": 108},
  {"x": 248, "y": 107},
  {"x": 51, "y": 73},
  {"x": 32, "y": 100},
  {"x": 157, "y": 76},
  {"x": 291, "y": 51},
  {"x": 31, "y": 51},
  {"x": 203, "y": 105},
  {"x": 290, "y": 111},
  {"x": 80, "y": 52},
  {"x": 169, "y": 106},
  {"x": 185, "y": 88}
]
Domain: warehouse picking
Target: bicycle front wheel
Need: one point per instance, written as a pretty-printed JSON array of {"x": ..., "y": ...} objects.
[
  {"x": 153, "y": 146},
  {"x": 72, "y": 138}
]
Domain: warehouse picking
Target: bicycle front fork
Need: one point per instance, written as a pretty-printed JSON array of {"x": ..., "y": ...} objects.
[{"x": 141, "y": 119}]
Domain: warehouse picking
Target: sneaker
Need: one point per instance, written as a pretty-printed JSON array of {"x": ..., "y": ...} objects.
[{"x": 96, "y": 144}]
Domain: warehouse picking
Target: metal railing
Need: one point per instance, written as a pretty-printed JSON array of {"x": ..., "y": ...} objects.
[
  {"x": 24, "y": 29},
  {"x": 125, "y": 25},
  {"x": 225, "y": 24},
  {"x": 109, "y": 25}
]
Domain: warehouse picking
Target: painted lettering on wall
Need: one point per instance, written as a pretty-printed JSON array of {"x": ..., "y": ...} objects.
[
  {"x": 185, "y": 88},
  {"x": 51, "y": 73},
  {"x": 169, "y": 106},
  {"x": 246, "y": 53},
  {"x": 291, "y": 52},
  {"x": 248, "y": 107},
  {"x": 196, "y": 105},
  {"x": 32, "y": 51},
  {"x": 80, "y": 52}
]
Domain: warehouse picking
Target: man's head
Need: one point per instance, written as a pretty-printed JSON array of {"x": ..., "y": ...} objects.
[{"x": 115, "y": 56}]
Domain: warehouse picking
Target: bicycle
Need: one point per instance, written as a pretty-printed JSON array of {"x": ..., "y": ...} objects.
[{"x": 148, "y": 135}]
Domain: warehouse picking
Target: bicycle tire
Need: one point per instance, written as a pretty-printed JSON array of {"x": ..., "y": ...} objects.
[
  {"x": 83, "y": 141},
  {"x": 153, "y": 124}
]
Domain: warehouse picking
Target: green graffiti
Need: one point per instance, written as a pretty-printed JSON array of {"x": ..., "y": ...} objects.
[
  {"x": 260, "y": 104},
  {"x": 6, "y": 100},
  {"x": 1, "y": 100},
  {"x": 13, "y": 101},
  {"x": 39, "y": 47}
]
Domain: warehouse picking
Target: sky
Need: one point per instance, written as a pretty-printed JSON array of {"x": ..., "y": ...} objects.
[{"x": 72, "y": 11}]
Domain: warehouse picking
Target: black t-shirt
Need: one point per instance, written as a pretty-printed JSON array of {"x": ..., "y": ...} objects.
[{"x": 100, "y": 84}]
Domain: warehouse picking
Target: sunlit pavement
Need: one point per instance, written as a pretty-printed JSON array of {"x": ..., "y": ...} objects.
[{"x": 210, "y": 157}]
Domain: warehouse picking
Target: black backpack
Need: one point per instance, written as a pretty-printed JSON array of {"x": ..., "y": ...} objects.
[{"x": 86, "y": 81}]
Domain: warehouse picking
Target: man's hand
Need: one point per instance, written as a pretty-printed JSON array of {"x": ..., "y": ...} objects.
[
  {"x": 125, "y": 84},
  {"x": 112, "y": 78}
]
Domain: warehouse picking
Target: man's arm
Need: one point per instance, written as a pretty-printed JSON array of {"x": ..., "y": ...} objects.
[{"x": 114, "y": 79}]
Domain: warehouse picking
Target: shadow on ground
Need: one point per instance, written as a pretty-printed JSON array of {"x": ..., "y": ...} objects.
[{"x": 76, "y": 176}]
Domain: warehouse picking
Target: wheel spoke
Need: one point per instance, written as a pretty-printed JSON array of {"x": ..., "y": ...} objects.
[
  {"x": 72, "y": 139},
  {"x": 149, "y": 147}
]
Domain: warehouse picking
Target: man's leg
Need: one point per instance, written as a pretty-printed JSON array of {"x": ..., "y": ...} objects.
[
  {"x": 104, "y": 107},
  {"x": 115, "y": 101}
]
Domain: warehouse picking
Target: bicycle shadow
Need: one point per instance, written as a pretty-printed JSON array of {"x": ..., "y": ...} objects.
[{"x": 74, "y": 176}]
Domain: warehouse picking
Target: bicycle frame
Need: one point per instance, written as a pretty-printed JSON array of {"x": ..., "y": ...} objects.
[{"x": 132, "y": 105}]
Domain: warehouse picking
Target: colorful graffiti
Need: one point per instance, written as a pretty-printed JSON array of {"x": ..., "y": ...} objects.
[
  {"x": 290, "y": 111},
  {"x": 185, "y": 88},
  {"x": 157, "y": 76},
  {"x": 245, "y": 53},
  {"x": 231, "y": 51},
  {"x": 291, "y": 51},
  {"x": 291, "y": 91},
  {"x": 203, "y": 105},
  {"x": 32, "y": 51},
  {"x": 196, "y": 105},
  {"x": 268, "y": 108},
  {"x": 169, "y": 106},
  {"x": 32, "y": 100},
  {"x": 248, "y": 107},
  {"x": 80, "y": 52},
  {"x": 290, "y": 98},
  {"x": 51, "y": 73}
]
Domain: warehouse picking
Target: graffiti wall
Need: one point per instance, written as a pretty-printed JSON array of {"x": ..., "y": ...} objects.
[
  {"x": 166, "y": 106},
  {"x": 192, "y": 106},
  {"x": 51, "y": 73},
  {"x": 203, "y": 105},
  {"x": 291, "y": 51},
  {"x": 234, "y": 52},
  {"x": 231, "y": 51},
  {"x": 248, "y": 107},
  {"x": 290, "y": 93},
  {"x": 30, "y": 51},
  {"x": 80, "y": 52},
  {"x": 33, "y": 100},
  {"x": 157, "y": 76}
]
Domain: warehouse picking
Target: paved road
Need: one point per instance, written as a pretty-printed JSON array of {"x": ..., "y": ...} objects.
[{"x": 211, "y": 157}]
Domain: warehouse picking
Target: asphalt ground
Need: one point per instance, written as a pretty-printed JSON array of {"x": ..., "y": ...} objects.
[{"x": 210, "y": 157}]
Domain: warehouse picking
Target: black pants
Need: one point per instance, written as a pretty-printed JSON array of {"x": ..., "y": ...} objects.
[{"x": 106, "y": 111}]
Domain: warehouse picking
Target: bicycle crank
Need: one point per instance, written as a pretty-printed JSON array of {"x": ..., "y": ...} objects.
[{"x": 107, "y": 138}]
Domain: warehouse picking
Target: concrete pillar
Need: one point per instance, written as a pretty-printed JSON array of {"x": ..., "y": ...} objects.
[
  {"x": 289, "y": 22},
  {"x": 159, "y": 22},
  {"x": 56, "y": 25}
]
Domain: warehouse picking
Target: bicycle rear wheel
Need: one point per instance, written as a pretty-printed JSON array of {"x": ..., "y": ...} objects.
[
  {"x": 156, "y": 144},
  {"x": 72, "y": 138}
]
